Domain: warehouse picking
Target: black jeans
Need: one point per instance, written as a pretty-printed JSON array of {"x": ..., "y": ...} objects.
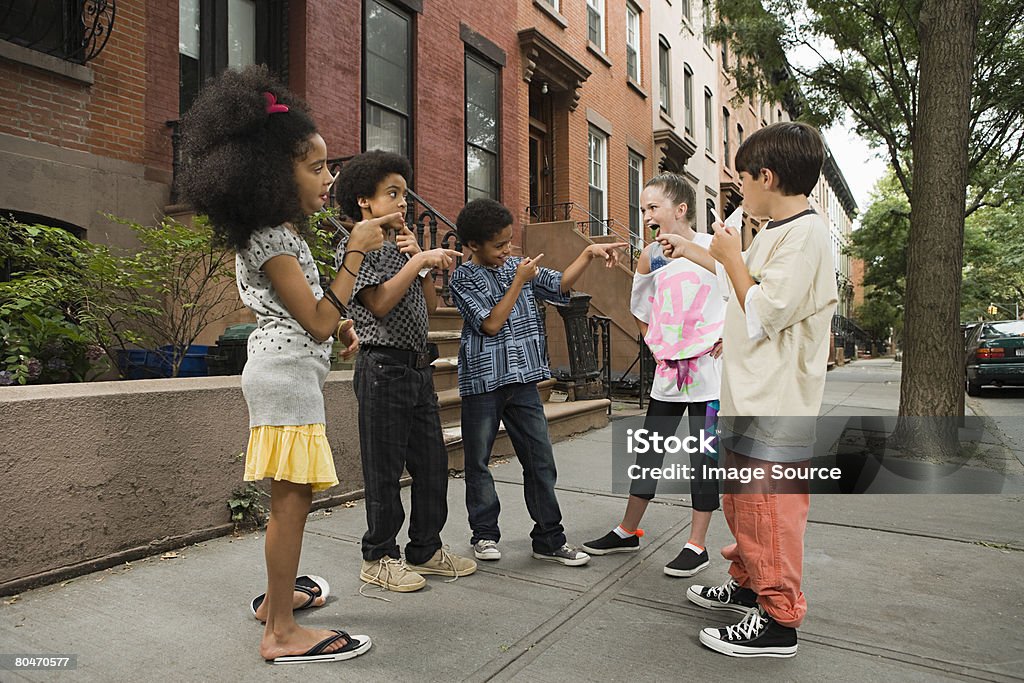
[
  {"x": 667, "y": 416},
  {"x": 399, "y": 426}
]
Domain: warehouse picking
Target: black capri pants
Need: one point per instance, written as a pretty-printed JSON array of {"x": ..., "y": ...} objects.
[{"x": 704, "y": 492}]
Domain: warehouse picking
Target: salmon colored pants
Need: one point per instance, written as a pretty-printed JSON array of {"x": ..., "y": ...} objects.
[{"x": 768, "y": 519}]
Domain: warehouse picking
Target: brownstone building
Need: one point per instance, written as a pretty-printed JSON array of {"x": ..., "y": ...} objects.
[{"x": 89, "y": 128}]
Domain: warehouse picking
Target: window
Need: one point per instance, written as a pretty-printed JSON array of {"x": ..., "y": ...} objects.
[
  {"x": 739, "y": 136},
  {"x": 387, "y": 86},
  {"x": 687, "y": 12},
  {"x": 633, "y": 43},
  {"x": 49, "y": 26},
  {"x": 725, "y": 136},
  {"x": 595, "y": 23},
  {"x": 706, "y": 14},
  {"x": 709, "y": 135},
  {"x": 214, "y": 36},
  {"x": 482, "y": 115},
  {"x": 725, "y": 54},
  {"x": 711, "y": 216},
  {"x": 636, "y": 174},
  {"x": 598, "y": 156},
  {"x": 688, "y": 97},
  {"x": 664, "y": 75}
]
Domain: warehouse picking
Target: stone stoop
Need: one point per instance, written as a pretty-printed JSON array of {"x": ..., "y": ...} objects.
[{"x": 565, "y": 419}]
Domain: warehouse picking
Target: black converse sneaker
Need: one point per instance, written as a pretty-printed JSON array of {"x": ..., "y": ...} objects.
[
  {"x": 758, "y": 635},
  {"x": 687, "y": 563},
  {"x": 611, "y": 542},
  {"x": 728, "y": 596}
]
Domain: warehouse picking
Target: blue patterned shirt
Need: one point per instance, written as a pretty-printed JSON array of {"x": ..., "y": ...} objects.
[{"x": 516, "y": 353}]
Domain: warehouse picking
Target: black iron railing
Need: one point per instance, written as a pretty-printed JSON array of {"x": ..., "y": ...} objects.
[
  {"x": 849, "y": 335},
  {"x": 549, "y": 213},
  {"x": 175, "y": 127},
  {"x": 600, "y": 330},
  {"x": 73, "y": 30}
]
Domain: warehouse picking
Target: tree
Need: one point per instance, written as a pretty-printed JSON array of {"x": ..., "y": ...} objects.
[
  {"x": 993, "y": 269},
  {"x": 907, "y": 73},
  {"x": 881, "y": 242}
]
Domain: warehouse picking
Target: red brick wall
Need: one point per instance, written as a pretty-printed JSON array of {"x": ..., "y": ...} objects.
[
  {"x": 106, "y": 118},
  {"x": 325, "y": 62},
  {"x": 161, "y": 52},
  {"x": 440, "y": 101},
  {"x": 326, "y": 68}
]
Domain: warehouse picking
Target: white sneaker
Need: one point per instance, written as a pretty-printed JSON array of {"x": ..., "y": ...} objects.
[{"x": 486, "y": 550}]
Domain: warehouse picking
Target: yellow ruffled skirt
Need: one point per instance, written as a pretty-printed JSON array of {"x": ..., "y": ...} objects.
[{"x": 299, "y": 454}]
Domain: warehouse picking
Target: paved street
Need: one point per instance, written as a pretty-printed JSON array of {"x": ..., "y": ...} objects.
[{"x": 900, "y": 588}]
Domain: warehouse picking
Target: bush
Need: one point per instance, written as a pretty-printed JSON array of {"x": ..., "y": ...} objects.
[
  {"x": 164, "y": 294},
  {"x": 42, "y": 339}
]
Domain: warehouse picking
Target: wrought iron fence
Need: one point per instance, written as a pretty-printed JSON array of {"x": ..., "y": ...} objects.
[{"x": 73, "y": 30}]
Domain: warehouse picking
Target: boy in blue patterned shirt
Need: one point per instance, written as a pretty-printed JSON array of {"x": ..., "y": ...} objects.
[{"x": 501, "y": 360}]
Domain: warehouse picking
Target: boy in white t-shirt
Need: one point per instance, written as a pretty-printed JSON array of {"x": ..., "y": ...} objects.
[
  {"x": 680, "y": 311},
  {"x": 777, "y": 327}
]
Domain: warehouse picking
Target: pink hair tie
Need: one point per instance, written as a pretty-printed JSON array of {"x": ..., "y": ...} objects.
[{"x": 272, "y": 106}]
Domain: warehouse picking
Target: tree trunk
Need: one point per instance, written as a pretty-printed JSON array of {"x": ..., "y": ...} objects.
[{"x": 933, "y": 359}]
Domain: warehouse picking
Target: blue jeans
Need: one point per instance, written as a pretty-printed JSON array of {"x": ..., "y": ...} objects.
[{"x": 520, "y": 408}]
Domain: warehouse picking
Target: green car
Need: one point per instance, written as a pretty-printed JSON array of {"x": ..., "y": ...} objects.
[{"x": 995, "y": 355}]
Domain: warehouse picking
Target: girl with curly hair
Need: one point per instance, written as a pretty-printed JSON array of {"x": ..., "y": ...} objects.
[{"x": 254, "y": 163}]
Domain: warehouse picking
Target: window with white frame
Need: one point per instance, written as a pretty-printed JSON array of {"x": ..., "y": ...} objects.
[
  {"x": 633, "y": 43},
  {"x": 709, "y": 115},
  {"x": 725, "y": 137},
  {"x": 595, "y": 23},
  {"x": 687, "y": 12},
  {"x": 664, "y": 75},
  {"x": 688, "y": 97},
  {"x": 636, "y": 175},
  {"x": 598, "y": 180},
  {"x": 706, "y": 15}
]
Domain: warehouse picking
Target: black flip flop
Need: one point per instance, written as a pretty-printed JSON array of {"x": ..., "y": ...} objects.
[
  {"x": 355, "y": 646},
  {"x": 303, "y": 584}
]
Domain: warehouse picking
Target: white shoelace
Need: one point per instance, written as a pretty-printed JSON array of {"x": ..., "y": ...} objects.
[
  {"x": 723, "y": 593},
  {"x": 446, "y": 557},
  {"x": 746, "y": 629},
  {"x": 383, "y": 567}
]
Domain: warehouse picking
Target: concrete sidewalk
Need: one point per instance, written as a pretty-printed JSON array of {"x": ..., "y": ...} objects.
[{"x": 907, "y": 588}]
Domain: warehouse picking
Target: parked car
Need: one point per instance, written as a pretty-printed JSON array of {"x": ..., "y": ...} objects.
[{"x": 995, "y": 355}]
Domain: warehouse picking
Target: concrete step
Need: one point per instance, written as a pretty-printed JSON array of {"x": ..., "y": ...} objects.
[
  {"x": 564, "y": 420},
  {"x": 446, "y": 374},
  {"x": 447, "y": 342},
  {"x": 451, "y": 404},
  {"x": 445, "y": 319}
]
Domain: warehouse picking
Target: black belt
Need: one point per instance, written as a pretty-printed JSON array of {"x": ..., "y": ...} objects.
[{"x": 405, "y": 357}]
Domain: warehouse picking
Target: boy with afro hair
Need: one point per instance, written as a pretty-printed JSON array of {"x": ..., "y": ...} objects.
[{"x": 399, "y": 421}]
